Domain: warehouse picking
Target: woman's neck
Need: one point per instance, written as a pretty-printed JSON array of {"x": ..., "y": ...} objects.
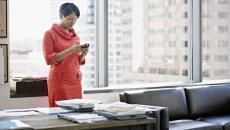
[{"x": 63, "y": 27}]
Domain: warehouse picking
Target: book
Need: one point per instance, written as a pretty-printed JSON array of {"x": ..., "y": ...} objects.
[{"x": 14, "y": 125}]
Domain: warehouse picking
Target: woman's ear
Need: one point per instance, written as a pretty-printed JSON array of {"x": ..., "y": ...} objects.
[{"x": 61, "y": 15}]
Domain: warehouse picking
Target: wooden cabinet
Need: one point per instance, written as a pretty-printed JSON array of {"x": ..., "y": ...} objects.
[{"x": 3, "y": 18}]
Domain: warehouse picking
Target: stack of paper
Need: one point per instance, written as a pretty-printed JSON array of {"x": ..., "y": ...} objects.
[
  {"x": 83, "y": 118},
  {"x": 78, "y": 104},
  {"x": 53, "y": 110},
  {"x": 121, "y": 111},
  {"x": 29, "y": 79}
]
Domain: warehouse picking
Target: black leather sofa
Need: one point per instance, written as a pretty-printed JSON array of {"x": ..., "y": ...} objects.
[{"x": 189, "y": 108}]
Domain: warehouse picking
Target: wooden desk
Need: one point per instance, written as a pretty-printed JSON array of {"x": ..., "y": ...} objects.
[{"x": 52, "y": 122}]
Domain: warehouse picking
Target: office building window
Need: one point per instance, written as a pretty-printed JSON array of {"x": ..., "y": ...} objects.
[
  {"x": 186, "y": 1},
  {"x": 215, "y": 64},
  {"x": 151, "y": 40},
  {"x": 28, "y": 23},
  {"x": 222, "y": 1},
  {"x": 222, "y": 15}
]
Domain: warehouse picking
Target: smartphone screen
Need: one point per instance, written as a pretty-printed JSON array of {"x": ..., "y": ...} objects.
[{"x": 85, "y": 45}]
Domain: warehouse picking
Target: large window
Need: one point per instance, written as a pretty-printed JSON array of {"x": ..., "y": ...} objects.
[
  {"x": 148, "y": 41},
  {"x": 216, "y": 40},
  {"x": 29, "y": 19}
]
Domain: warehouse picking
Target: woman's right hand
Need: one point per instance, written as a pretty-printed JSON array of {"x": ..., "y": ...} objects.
[{"x": 76, "y": 48}]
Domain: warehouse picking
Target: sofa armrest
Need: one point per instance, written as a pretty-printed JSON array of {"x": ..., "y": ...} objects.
[
  {"x": 122, "y": 97},
  {"x": 161, "y": 116}
]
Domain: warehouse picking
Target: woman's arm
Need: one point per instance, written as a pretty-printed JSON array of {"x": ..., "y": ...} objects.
[
  {"x": 53, "y": 57},
  {"x": 73, "y": 49},
  {"x": 48, "y": 49}
]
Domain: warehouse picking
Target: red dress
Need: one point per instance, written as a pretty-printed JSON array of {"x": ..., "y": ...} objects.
[{"x": 64, "y": 80}]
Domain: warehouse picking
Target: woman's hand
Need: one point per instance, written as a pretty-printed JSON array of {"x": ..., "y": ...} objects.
[
  {"x": 85, "y": 51},
  {"x": 76, "y": 48},
  {"x": 83, "y": 54}
]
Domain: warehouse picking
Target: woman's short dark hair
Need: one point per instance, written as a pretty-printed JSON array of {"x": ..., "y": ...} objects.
[{"x": 68, "y": 8}]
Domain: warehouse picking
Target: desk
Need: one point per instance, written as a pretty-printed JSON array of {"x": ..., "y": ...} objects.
[{"x": 52, "y": 122}]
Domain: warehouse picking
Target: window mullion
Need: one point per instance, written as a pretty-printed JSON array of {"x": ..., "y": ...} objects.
[
  {"x": 196, "y": 42},
  {"x": 101, "y": 46}
]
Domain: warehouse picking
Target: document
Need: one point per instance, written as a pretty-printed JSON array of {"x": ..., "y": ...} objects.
[
  {"x": 20, "y": 110},
  {"x": 14, "y": 125},
  {"x": 120, "y": 111},
  {"x": 18, "y": 113},
  {"x": 81, "y": 105},
  {"x": 53, "y": 110},
  {"x": 83, "y": 118}
]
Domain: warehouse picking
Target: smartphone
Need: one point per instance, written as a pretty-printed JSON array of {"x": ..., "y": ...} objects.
[{"x": 85, "y": 45}]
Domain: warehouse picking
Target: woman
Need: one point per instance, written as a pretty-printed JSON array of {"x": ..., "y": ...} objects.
[{"x": 62, "y": 50}]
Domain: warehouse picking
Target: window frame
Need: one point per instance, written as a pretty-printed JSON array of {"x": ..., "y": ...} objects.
[{"x": 101, "y": 43}]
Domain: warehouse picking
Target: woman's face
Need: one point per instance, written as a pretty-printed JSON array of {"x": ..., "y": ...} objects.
[{"x": 69, "y": 21}]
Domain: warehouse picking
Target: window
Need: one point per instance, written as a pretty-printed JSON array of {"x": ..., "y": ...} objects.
[
  {"x": 186, "y": 14},
  {"x": 186, "y": 1},
  {"x": 222, "y": 15},
  {"x": 216, "y": 43},
  {"x": 222, "y": 1},
  {"x": 29, "y": 21},
  {"x": 222, "y": 29},
  {"x": 152, "y": 39},
  {"x": 148, "y": 41}
]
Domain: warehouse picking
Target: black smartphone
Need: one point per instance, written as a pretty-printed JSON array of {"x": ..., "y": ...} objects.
[{"x": 85, "y": 45}]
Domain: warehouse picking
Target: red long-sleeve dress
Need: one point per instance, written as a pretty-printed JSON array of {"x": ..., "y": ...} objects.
[{"x": 64, "y": 80}]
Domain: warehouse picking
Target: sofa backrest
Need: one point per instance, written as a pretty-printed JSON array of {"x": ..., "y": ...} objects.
[
  {"x": 207, "y": 101},
  {"x": 172, "y": 98}
]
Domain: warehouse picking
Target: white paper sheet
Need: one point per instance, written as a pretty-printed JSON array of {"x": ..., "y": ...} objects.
[
  {"x": 23, "y": 113},
  {"x": 53, "y": 110}
]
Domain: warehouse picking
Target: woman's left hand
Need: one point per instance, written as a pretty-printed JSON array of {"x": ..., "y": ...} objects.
[{"x": 85, "y": 51}]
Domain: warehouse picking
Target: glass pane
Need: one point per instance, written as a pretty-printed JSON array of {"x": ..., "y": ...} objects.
[
  {"x": 215, "y": 42},
  {"x": 29, "y": 19},
  {"x": 148, "y": 41}
]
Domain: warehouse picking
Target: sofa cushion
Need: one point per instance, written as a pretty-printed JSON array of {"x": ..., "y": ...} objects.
[
  {"x": 172, "y": 98},
  {"x": 212, "y": 100},
  {"x": 193, "y": 125},
  {"x": 222, "y": 120}
]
